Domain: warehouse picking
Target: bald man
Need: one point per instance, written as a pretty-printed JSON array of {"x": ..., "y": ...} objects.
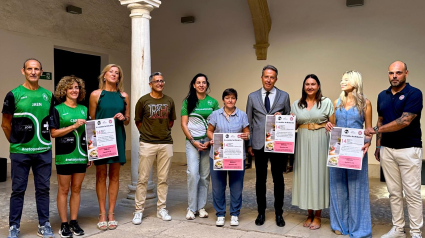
[
  {"x": 25, "y": 119},
  {"x": 399, "y": 148}
]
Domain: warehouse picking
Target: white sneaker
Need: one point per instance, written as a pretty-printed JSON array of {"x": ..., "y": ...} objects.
[
  {"x": 234, "y": 221},
  {"x": 163, "y": 214},
  {"x": 137, "y": 219},
  {"x": 203, "y": 213},
  {"x": 416, "y": 236},
  {"x": 394, "y": 233},
  {"x": 190, "y": 215},
  {"x": 220, "y": 221}
]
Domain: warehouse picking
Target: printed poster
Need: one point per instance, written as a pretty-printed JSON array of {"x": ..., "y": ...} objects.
[
  {"x": 228, "y": 151},
  {"x": 345, "y": 148},
  {"x": 280, "y": 134},
  {"x": 101, "y": 139}
]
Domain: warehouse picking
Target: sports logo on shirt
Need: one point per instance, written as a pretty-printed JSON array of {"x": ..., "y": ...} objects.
[
  {"x": 82, "y": 112},
  {"x": 401, "y": 97},
  {"x": 209, "y": 103},
  {"x": 45, "y": 97}
]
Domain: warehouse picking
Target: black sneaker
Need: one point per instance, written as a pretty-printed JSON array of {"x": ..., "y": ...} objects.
[
  {"x": 65, "y": 232},
  {"x": 76, "y": 229}
]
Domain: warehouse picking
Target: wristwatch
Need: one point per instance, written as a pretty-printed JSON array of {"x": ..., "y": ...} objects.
[{"x": 376, "y": 129}]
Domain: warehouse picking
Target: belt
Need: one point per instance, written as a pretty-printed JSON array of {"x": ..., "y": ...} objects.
[{"x": 312, "y": 126}]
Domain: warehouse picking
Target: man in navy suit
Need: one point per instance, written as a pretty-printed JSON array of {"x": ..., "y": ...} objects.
[{"x": 268, "y": 100}]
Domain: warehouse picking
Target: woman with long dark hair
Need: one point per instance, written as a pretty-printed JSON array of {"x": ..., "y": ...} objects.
[
  {"x": 196, "y": 109},
  {"x": 311, "y": 177}
]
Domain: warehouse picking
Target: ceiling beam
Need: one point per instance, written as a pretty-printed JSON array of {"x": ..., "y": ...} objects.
[{"x": 262, "y": 25}]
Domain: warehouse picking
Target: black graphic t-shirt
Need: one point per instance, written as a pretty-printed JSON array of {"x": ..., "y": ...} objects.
[{"x": 155, "y": 116}]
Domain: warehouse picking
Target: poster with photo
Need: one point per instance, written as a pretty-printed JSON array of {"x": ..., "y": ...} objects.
[
  {"x": 228, "y": 151},
  {"x": 345, "y": 148},
  {"x": 101, "y": 139},
  {"x": 280, "y": 134}
]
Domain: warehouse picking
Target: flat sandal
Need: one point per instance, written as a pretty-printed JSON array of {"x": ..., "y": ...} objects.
[
  {"x": 112, "y": 225},
  {"x": 102, "y": 225}
]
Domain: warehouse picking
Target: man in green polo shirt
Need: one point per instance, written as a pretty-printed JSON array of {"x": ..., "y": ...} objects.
[{"x": 25, "y": 124}]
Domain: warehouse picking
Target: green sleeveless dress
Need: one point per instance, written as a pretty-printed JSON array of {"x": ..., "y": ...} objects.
[{"x": 109, "y": 104}]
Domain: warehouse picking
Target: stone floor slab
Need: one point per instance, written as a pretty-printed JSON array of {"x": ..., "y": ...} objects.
[{"x": 177, "y": 206}]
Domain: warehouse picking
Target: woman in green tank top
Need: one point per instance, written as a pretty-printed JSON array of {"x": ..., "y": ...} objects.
[
  {"x": 110, "y": 101},
  {"x": 67, "y": 124}
]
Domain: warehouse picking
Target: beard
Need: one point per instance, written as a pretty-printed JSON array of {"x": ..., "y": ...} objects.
[{"x": 397, "y": 83}]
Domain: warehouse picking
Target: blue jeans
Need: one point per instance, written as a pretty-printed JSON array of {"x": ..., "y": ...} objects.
[
  {"x": 41, "y": 165},
  {"x": 349, "y": 201},
  {"x": 198, "y": 176},
  {"x": 219, "y": 183}
]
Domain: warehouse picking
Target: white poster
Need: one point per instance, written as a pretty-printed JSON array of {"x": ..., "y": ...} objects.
[
  {"x": 228, "y": 151},
  {"x": 280, "y": 134},
  {"x": 101, "y": 139},
  {"x": 345, "y": 148}
]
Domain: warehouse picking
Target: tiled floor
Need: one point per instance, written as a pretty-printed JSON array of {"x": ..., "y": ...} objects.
[{"x": 177, "y": 204}]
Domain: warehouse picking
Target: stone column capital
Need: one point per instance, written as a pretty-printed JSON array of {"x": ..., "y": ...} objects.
[{"x": 141, "y": 8}]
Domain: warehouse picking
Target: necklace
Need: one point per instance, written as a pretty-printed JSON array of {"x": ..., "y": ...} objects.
[
  {"x": 228, "y": 114},
  {"x": 156, "y": 97}
]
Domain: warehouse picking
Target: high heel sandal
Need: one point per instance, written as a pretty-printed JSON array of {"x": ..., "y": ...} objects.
[
  {"x": 102, "y": 225},
  {"x": 112, "y": 225}
]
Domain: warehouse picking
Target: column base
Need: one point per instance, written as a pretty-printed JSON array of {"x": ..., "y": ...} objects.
[
  {"x": 151, "y": 190},
  {"x": 149, "y": 194}
]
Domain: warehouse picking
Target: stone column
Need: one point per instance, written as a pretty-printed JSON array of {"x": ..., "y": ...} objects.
[{"x": 140, "y": 72}]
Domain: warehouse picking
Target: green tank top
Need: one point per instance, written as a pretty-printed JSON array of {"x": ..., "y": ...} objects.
[
  {"x": 70, "y": 148},
  {"x": 30, "y": 127}
]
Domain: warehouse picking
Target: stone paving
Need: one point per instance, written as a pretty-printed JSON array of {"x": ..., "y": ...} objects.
[{"x": 177, "y": 204}]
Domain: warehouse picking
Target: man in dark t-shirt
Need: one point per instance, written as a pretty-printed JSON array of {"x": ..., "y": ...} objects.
[
  {"x": 155, "y": 114},
  {"x": 25, "y": 123},
  {"x": 399, "y": 148}
]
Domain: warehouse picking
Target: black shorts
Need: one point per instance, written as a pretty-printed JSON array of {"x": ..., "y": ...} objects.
[{"x": 69, "y": 169}]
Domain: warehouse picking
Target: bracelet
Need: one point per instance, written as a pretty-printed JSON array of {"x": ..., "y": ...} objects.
[{"x": 378, "y": 147}]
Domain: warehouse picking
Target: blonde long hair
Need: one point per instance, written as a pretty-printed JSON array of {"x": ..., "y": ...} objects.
[
  {"x": 120, "y": 84},
  {"x": 355, "y": 80}
]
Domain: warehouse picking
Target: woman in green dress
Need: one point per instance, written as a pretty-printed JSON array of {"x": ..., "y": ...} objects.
[
  {"x": 110, "y": 101},
  {"x": 311, "y": 176}
]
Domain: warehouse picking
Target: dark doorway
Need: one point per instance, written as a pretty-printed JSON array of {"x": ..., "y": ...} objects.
[{"x": 84, "y": 66}]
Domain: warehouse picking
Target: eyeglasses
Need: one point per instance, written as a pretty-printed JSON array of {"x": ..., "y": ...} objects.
[{"x": 158, "y": 81}]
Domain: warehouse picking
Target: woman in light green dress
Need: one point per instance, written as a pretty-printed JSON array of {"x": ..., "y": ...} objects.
[{"x": 311, "y": 176}]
